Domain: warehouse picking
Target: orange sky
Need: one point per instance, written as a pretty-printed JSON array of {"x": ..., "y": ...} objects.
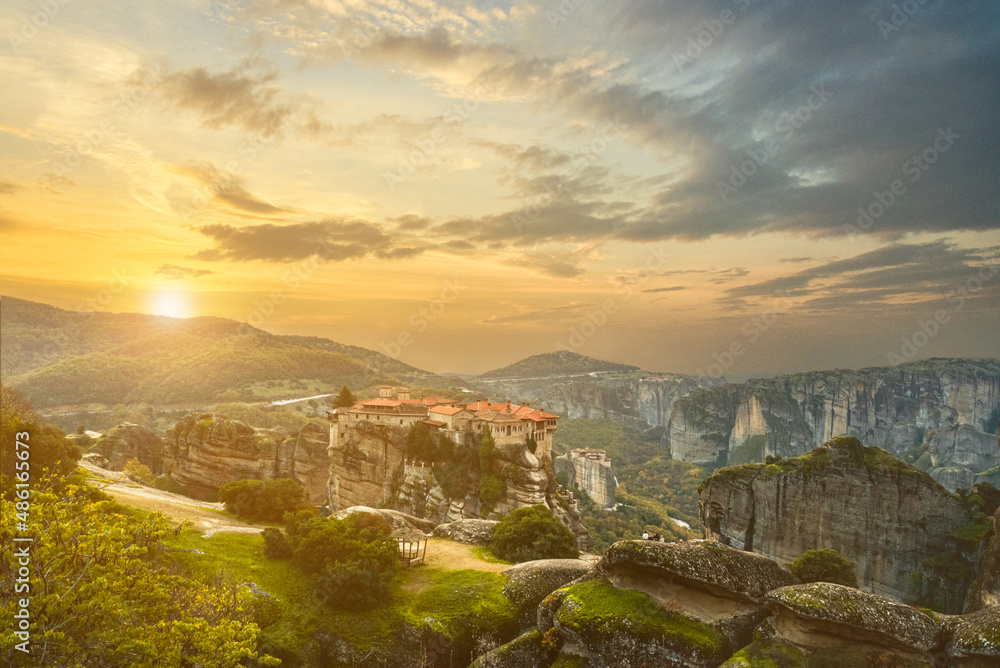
[{"x": 466, "y": 184}]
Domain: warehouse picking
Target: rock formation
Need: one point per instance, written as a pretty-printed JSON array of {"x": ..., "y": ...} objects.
[
  {"x": 589, "y": 470},
  {"x": 369, "y": 467},
  {"x": 130, "y": 441},
  {"x": 889, "y": 518},
  {"x": 702, "y": 603},
  {"x": 938, "y": 413},
  {"x": 986, "y": 589},
  {"x": 206, "y": 451}
]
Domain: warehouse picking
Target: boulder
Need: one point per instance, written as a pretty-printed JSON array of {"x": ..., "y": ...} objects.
[
  {"x": 528, "y": 583},
  {"x": 470, "y": 532},
  {"x": 811, "y": 615},
  {"x": 718, "y": 569},
  {"x": 525, "y": 651},
  {"x": 974, "y": 639}
]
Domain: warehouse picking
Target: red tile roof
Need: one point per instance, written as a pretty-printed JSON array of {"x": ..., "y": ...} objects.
[
  {"x": 445, "y": 410},
  {"x": 435, "y": 423}
]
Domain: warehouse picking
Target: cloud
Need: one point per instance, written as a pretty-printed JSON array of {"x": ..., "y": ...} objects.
[
  {"x": 234, "y": 98},
  {"x": 230, "y": 190},
  {"x": 673, "y": 288},
  {"x": 549, "y": 264},
  {"x": 895, "y": 274},
  {"x": 174, "y": 271},
  {"x": 7, "y": 187},
  {"x": 543, "y": 315}
]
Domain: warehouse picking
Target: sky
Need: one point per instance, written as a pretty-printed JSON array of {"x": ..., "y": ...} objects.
[{"x": 738, "y": 187}]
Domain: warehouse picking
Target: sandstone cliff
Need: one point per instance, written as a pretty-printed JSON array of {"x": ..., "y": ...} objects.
[
  {"x": 937, "y": 414},
  {"x": 591, "y": 472},
  {"x": 889, "y": 518},
  {"x": 204, "y": 452},
  {"x": 639, "y": 401},
  {"x": 369, "y": 467}
]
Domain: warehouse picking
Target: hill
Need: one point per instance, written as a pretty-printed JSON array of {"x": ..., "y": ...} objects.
[
  {"x": 559, "y": 363},
  {"x": 57, "y": 357}
]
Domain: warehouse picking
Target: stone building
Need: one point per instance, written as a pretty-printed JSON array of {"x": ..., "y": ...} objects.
[{"x": 508, "y": 423}]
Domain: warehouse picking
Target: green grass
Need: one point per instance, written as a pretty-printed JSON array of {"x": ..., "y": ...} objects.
[
  {"x": 605, "y": 609},
  {"x": 485, "y": 554},
  {"x": 463, "y": 600}
]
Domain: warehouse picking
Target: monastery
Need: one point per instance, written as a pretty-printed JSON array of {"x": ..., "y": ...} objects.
[{"x": 508, "y": 423}]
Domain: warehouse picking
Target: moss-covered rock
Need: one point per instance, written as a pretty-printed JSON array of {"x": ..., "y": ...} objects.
[
  {"x": 743, "y": 576},
  {"x": 974, "y": 639},
  {"x": 529, "y": 583},
  {"x": 524, "y": 651},
  {"x": 767, "y": 654},
  {"x": 612, "y": 627},
  {"x": 848, "y": 613},
  {"x": 468, "y": 531}
]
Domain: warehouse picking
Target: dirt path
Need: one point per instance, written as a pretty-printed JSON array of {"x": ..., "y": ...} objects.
[{"x": 177, "y": 507}]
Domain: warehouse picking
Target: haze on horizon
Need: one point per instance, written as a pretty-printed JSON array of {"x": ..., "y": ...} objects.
[{"x": 464, "y": 184}]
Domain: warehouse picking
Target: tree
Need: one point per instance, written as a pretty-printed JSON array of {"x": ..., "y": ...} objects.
[
  {"x": 266, "y": 500},
  {"x": 48, "y": 446},
  {"x": 353, "y": 560},
  {"x": 825, "y": 566},
  {"x": 533, "y": 532},
  {"x": 345, "y": 399},
  {"x": 138, "y": 471},
  {"x": 491, "y": 486},
  {"x": 98, "y": 600},
  {"x": 421, "y": 444}
]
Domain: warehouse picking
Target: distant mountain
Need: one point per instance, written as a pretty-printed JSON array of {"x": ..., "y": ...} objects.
[
  {"x": 560, "y": 363},
  {"x": 57, "y": 357}
]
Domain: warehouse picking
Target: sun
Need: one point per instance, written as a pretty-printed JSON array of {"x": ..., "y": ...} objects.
[{"x": 170, "y": 303}]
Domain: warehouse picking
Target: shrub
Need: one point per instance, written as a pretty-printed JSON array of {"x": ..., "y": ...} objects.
[
  {"x": 138, "y": 471},
  {"x": 531, "y": 533},
  {"x": 276, "y": 545},
  {"x": 354, "y": 559},
  {"x": 825, "y": 566},
  {"x": 265, "y": 500},
  {"x": 166, "y": 483}
]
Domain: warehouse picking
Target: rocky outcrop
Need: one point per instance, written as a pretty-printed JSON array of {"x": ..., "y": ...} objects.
[
  {"x": 986, "y": 589},
  {"x": 974, "y": 640},
  {"x": 130, "y": 441},
  {"x": 530, "y": 582},
  {"x": 937, "y": 413},
  {"x": 889, "y": 518},
  {"x": 590, "y": 471},
  {"x": 470, "y": 532},
  {"x": 631, "y": 399},
  {"x": 205, "y": 451},
  {"x": 813, "y": 616}
]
